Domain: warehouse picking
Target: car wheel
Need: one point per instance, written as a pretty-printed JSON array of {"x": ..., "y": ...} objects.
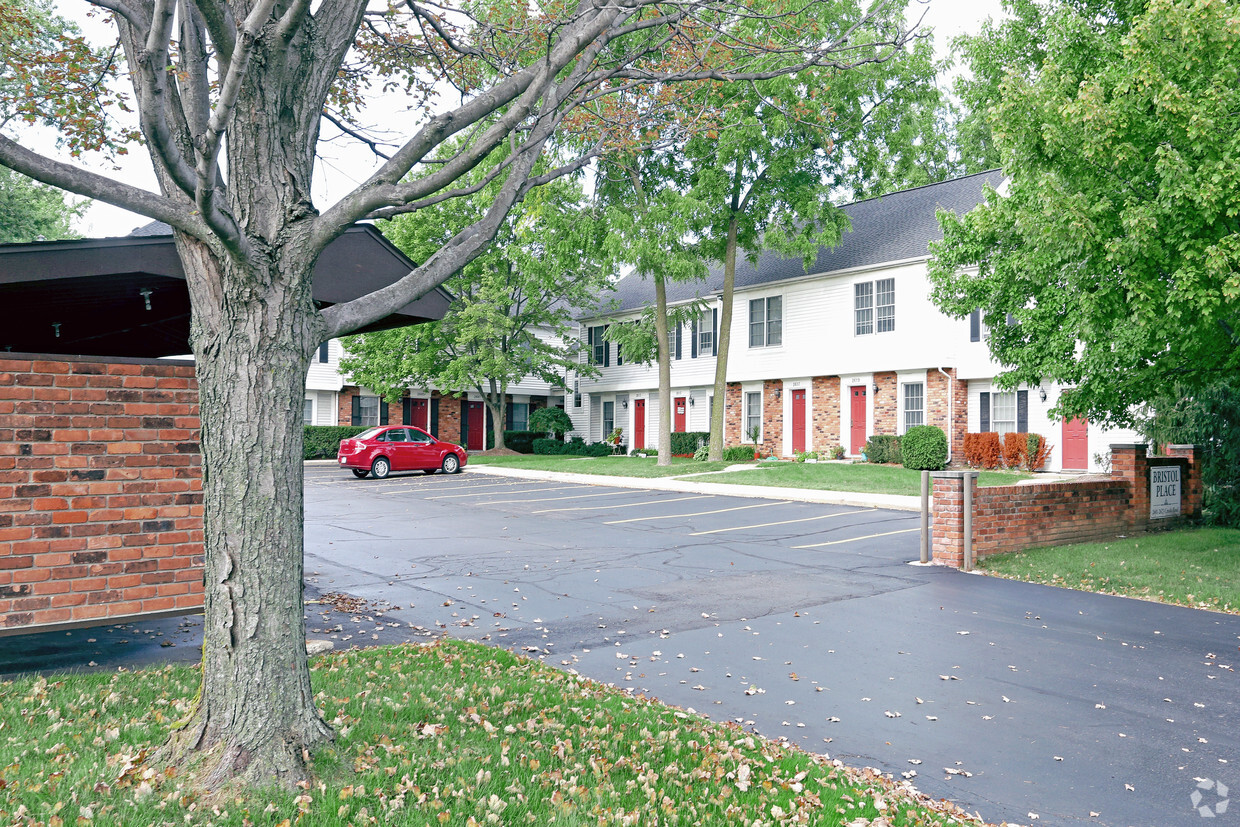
[
  {"x": 360, "y": 473},
  {"x": 451, "y": 464},
  {"x": 381, "y": 468}
]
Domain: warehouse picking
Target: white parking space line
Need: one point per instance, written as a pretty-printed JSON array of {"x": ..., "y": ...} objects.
[
  {"x": 623, "y": 505},
  {"x": 855, "y": 539},
  {"x": 698, "y": 514},
  {"x": 781, "y": 522},
  {"x": 482, "y": 493},
  {"x": 470, "y": 486},
  {"x": 552, "y": 499}
]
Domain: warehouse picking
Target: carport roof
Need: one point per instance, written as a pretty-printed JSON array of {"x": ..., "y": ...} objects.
[
  {"x": 894, "y": 227},
  {"x": 84, "y": 297}
]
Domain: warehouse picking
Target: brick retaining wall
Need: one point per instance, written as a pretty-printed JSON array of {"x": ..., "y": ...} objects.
[
  {"x": 1016, "y": 517},
  {"x": 100, "y": 490}
]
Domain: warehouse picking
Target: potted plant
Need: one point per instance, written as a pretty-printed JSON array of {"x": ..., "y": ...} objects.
[{"x": 754, "y": 434}]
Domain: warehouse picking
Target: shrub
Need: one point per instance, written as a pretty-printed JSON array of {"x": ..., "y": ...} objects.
[
  {"x": 522, "y": 441},
  {"x": 645, "y": 452},
  {"x": 1015, "y": 449},
  {"x": 702, "y": 452},
  {"x": 834, "y": 452},
  {"x": 687, "y": 442},
  {"x": 542, "y": 445},
  {"x": 596, "y": 449},
  {"x": 924, "y": 448},
  {"x": 883, "y": 448},
  {"x": 550, "y": 420},
  {"x": 738, "y": 453},
  {"x": 982, "y": 450},
  {"x": 801, "y": 456},
  {"x": 1037, "y": 452},
  {"x": 323, "y": 441}
]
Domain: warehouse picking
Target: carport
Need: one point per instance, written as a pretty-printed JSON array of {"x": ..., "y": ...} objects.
[{"x": 100, "y": 474}]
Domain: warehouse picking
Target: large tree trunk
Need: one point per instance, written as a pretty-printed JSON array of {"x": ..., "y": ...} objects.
[
  {"x": 495, "y": 409},
  {"x": 254, "y": 333},
  {"x": 722, "y": 346},
  {"x": 665, "y": 372}
]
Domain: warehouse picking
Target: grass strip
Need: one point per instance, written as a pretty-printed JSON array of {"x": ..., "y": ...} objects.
[
  {"x": 444, "y": 733},
  {"x": 1194, "y": 567},
  {"x": 855, "y": 477},
  {"x": 606, "y": 466}
]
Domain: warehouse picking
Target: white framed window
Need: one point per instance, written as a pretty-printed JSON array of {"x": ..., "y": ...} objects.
[
  {"x": 609, "y": 419},
  {"x": 1003, "y": 412},
  {"x": 705, "y": 328},
  {"x": 874, "y": 306},
  {"x": 576, "y": 393},
  {"x": 766, "y": 321},
  {"x": 368, "y": 407},
  {"x": 520, "y": 416},
  {"x": 914, "y": 404},
  {"x": 307, "y": 411},
  {"x": 596, "y": 336},
  {"x": 753, "y": 415}
]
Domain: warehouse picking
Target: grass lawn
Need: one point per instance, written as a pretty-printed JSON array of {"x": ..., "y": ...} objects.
[
  {"x": 860, "y": 477},
  {"x": 449, "y": 733},
  {"x": 1196, "y": 567},
  {"x": 608, "y": 466}
]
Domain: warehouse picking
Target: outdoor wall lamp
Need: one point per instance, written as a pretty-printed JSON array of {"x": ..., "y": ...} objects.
[
  {"x": 1042, "y": 394},
  {"x": 876, "y": 387},
  {"x": 690, "y": 401},
  {"x": 625, "y": 405},
  {"x": 145, "y": 293},
  {"x": 56, "y": 328}
]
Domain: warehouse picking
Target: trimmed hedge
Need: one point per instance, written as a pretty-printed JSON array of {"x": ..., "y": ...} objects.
[
  {"x": 545, "y": 445},
  {"x": 738, "y": 453},
  {"x": 983, "y": 450},
  {"x": 323, "y": 441},
  {"x": 574, "y": 447},
  {"x": 687, "y": 442},
  {"x": 883, "y": 448},
  {"x": 522, "y": 441},
  {"x": 924, "y": 448}
]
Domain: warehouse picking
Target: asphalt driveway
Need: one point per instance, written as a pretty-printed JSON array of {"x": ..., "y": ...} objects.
[{"x": 805, "y": 622}]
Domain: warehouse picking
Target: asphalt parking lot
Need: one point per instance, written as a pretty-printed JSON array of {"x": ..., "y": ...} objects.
[
  {"x": 805, "y": 622},
  {"x": 802, "y": 621}
]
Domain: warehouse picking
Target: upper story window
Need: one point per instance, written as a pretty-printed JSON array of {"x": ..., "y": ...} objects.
[
  {"x": 874, "y": 306},
  {"x": 673, "y": 341},
  {"x": 705, "y": 332},
  {"x": 323, "y": 353},
  {"x": 599, "y": 351},
  {"x": 766, "y": 321}
]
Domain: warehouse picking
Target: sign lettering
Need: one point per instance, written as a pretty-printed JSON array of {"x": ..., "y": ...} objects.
[{"x": 1164, "y": 492}]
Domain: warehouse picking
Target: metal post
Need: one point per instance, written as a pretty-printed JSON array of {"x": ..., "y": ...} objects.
[
  {"x": 925, "y": 516},
  {"x": 968, "y": 520}
]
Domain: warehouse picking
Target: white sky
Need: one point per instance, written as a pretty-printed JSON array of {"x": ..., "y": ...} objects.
[{"x": 340, "y": 169}]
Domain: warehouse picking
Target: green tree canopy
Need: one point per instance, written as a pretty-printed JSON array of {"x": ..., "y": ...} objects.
[
  {"x": 1112, "y": 262},
  {"x": 30, "y": 211}
]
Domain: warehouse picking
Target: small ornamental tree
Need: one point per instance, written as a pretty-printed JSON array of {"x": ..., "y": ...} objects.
[
  {"x": 552, "y": 421},
  {"x": 924, "y": 448}
]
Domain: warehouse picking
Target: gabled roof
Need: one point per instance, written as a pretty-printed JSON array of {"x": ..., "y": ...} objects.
[
  {"x": 894, "y": 227},
  {"x": 85, "y": 297}
]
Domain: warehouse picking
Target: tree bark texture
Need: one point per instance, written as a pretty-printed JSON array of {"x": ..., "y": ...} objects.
[
  {"x": 722, "y": 347},
  {"x": 665, "y": 372}
]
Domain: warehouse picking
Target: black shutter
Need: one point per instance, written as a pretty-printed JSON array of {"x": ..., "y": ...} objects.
[
  {"x": 1022, "y": 412},
  {"x": 693, "y": 341},
  {"x": 678, "y": 330},
  {"x": 357, "y": 410},
  {"x": 602, "y": 338},
  {"x": 507, "y": 416},
  {"x": 975, "y": 326},
  {"x": 383, "y": 411},
  {"x": 406, "y": 411},
  {"x": 323, "y": 352},
  {"x": 464, "y": 423},
  {"x": 714, "y": 332},
  {"x": 985, "y": 406},
  {"x": 589, "y": 346},
  {"x": 435, "y": 418}
]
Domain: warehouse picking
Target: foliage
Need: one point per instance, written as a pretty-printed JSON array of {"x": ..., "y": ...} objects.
[
  {"x": 1015, "y": 449},
  {"x": 1209, "y": 419},
  {"x": 551, "y": 420},
  {"x": 645, "y": 452},
  {"x": 1037, "y": 452},
  {"x": 924, "y": 448},
  {"x": 323, "y": 441},
  {"x": 883, "y": 448},
  {"x": 801, "y": 456},
  {"x": 837, "y": 452},
  {"x": 702, "y": 453},
  {"x": 30, "y": 211},
  {"x": 1116, "y": 247},
  {"x": 983, "y": 450},
  {"x": 575, "y": 447},
  {"x": 687, "y": 442},
  {"x": 1189, "y": 568},
  {"x": 754, "y": 433},
  {"x": 738, "y": 453},
  {"x": 543, "y": 445},
  {"x": 522, "y": 441}
]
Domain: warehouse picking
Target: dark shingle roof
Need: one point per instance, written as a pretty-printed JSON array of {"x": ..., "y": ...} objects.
[{"x": 892, "y": 227}]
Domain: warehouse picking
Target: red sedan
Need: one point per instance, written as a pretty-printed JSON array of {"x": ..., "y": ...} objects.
[{"x": 380, "y": 451}]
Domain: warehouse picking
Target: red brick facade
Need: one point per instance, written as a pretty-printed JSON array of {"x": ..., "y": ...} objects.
[
  {"x": 948, "y": 400},
  {"x": 733, "y": 416},
  {"x": 886, "y": 402},
  {"x": 825, "y": 392},
  {"x": 1015, "y": 517},
  {"x": 344, "y": 412},
  {"x": 100, "y": 490},
  {"x": 772, "y": 418}
]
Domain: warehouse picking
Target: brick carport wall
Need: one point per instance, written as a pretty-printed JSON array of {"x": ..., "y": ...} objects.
[{"x": 100, "y": 491}]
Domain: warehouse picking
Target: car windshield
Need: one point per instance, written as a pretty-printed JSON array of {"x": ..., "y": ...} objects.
[{"x": 368, "y": 434}]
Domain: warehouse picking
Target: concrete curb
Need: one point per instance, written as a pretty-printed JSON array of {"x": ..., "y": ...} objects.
[{"x": 891, "y": 501}]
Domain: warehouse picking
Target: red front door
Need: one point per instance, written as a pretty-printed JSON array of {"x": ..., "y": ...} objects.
[
  {"x": 798, "y": 421},
  {"x": 857, "y": 427},
  {"x": 420, "y": 414},
  {"x": 639, "y": 424},
  {"x": 679, "y": 411},
  {"x": 1075, "y": 445},
  {"x": 477, "y": 431}
]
